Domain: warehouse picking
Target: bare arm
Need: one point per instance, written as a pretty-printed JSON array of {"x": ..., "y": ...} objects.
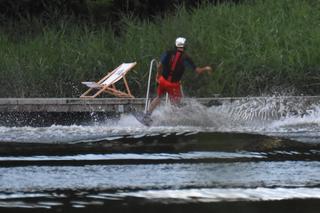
[
  {"x": 201, "y": 70},
  {"x": 159, "y": 71}
]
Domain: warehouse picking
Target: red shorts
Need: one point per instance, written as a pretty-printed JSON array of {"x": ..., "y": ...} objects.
[{"x": 173, "y": 89}]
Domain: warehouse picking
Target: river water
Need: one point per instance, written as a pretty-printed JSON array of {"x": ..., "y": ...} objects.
[{"x": 255, "y": 155}]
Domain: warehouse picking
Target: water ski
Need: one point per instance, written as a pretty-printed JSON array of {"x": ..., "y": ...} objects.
[{"x": 143, "y": 118}]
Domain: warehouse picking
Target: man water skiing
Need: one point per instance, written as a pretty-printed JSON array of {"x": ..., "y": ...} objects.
[{"x": 170, "y": 71}]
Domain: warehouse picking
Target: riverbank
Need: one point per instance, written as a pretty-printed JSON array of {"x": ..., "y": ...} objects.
[{"x": 266, "y": 47}]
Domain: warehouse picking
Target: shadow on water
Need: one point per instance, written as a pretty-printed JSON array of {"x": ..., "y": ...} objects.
[{"x": 171, "y": 142}]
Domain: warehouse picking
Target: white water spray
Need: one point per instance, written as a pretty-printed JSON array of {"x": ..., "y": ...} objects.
[{"x": 274, "y": 116}]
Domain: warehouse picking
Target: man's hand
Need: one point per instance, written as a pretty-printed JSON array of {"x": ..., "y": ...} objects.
[
  {"x": 159, "y": 72},
  {"x": 157, "y": 78},
  {"x": 209, "y": 69},
  {"x": 201, "y": 70}
]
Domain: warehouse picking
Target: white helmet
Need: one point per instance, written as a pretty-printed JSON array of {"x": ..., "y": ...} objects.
[{"x": 180, "y": 42}]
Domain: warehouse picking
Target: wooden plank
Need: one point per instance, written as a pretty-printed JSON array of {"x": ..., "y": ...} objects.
[{"x": 111, "y": 104}]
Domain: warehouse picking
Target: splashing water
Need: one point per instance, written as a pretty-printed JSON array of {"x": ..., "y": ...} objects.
[
  {"x": 202, "y": 163},
  {"x": 275, "y": 116}
]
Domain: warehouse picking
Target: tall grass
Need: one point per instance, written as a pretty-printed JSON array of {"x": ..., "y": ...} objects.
[{"x": 264, "y": 45}]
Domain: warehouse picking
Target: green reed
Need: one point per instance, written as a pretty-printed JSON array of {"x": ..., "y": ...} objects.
[{"x": 265, "y": 46}]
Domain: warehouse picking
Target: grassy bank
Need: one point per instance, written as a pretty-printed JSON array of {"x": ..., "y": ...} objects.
[{"x": 266, "y": 46}]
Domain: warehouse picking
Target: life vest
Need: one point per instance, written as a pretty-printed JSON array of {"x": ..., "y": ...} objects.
[{"x": 175, "y": 59}]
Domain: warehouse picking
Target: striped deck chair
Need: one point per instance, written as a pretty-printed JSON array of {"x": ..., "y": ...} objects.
[{"x": 107, "y": 83}]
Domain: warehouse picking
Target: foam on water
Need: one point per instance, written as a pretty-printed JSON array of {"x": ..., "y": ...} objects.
[
  {"x": 227, "y": 194},
  {"x": 298, "y": 120},
  {"x": 144, "y": 156},
  {"x": 172, "y": 196},
  {"x": 37, "y": 178}
]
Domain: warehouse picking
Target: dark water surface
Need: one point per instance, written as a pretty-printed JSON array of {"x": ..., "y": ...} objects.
[{"x": 242, "y": 157}]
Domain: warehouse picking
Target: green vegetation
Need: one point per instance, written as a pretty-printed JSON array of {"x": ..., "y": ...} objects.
[{"x": 265, "y": 46}]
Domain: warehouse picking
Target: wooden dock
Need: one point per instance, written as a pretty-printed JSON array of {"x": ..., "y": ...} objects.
[
  {"x": 69, "y": 104},
  {"x": 69, "y": 111},
  {"x": 116, "y": 105}
]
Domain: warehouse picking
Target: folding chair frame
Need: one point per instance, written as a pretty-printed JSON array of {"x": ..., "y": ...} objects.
[{"x": 111, "y": 90}]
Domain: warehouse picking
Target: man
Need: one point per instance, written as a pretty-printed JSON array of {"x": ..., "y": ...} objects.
[{"x": 170, "y": 71}]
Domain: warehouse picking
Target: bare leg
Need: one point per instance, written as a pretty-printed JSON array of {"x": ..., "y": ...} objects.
[{"x": 154, "y": 103}]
